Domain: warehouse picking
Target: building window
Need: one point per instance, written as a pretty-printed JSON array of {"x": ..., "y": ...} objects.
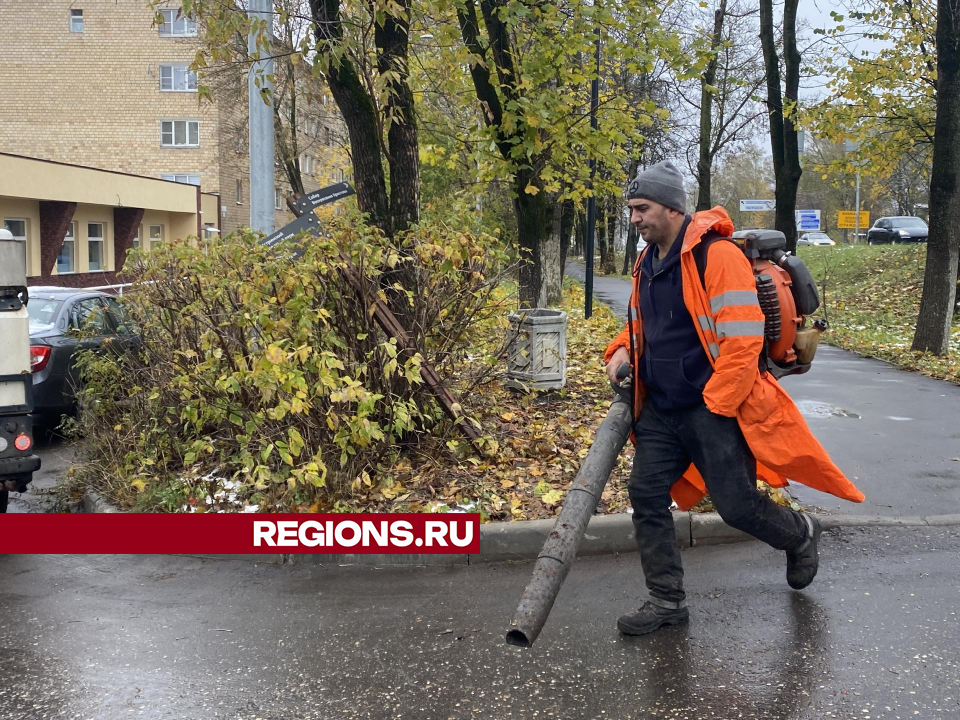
[
  {"x": 342, "y": 175},
  {"x": 179, "y": 133},
  {"x": 239, "y": 192},
  {"x": 176, "y": 24},
  {"x": 17, "y": 228},
  {"x": 136, "y": 238},
  {"x": 76, "y": 21},
  {"x": 277, "y": 199},
  {"x": 67, "y": 258},
  {"x": 177, "y": 78},
  {"x": 156, "y": 236},
  {"x": 326, "y": 136},
  {"x": 95, "y": 247},
  {"x": 185, "y": 179}
]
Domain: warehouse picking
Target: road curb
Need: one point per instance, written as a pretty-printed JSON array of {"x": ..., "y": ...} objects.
[
  {"x": 95, "y": 503},
  {"x": 522, "y": 540}
]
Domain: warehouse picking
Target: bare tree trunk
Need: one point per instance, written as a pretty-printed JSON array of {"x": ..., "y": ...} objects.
[
  {"x": 286, "y": 129},
  {"x": 532, "y": 230},
  {"x": 943, "y": 246},
  {"x": 566, "y": 225},
  {"x": 630, "y": 252},
  {"x": 705, "y": 162},
  {"x": 579, "y": 233},
  {"x": 600, "y": 233},
  {"x": 495, "y": 51},
  {"x": 392, "y": 40},
  {"x": 783, "y": 133},
  {"x": 359, "y": 113},
  {"x": 610, "y": 266},
  {"x": 552, "y": 254}
]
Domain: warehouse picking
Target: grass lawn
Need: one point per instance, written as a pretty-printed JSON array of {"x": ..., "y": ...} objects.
[{"x": 872, "y": 298}]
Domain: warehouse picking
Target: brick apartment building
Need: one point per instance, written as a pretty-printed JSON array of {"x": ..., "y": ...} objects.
[{"x": 96, "y": 83}]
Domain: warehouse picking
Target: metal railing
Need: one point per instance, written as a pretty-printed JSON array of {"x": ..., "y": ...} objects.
[{"x": 118, "y": 289}]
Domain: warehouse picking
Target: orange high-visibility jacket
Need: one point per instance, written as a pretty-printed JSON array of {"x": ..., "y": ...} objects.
[{"x": 730, "y": 322}]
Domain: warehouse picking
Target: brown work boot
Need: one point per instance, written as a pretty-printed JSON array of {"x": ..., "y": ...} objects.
[
  {"x": 803, "y": 563},
  {"x": 652, "y": 617}
]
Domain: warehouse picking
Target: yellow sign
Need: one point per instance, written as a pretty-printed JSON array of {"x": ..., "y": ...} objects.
[{"x": 847, "y": 219}]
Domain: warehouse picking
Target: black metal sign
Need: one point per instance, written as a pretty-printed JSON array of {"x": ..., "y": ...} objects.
[
  {"x": 309, "y": 222},
  {"x": 323, "y": 196}
]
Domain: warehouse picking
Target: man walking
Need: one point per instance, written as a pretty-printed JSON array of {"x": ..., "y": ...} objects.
[{"x": 704, "y": 414}]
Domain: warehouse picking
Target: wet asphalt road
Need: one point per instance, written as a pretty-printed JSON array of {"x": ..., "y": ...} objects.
[
  {"x": 876, "y": 636},
  {"x": 56, "y": 455},
  {"x": 896, "y": 434}
]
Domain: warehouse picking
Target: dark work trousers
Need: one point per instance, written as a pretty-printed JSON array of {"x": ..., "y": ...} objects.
[{"x": 667, "y": 442}]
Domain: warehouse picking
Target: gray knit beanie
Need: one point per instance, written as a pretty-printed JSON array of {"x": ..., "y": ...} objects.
[{"x": 661, "y": 183}]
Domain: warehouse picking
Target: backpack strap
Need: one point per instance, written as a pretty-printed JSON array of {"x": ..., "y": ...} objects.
[{"x": 700, "y": 253}]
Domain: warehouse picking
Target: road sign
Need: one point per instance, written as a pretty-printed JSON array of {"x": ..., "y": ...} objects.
[
  {"x": 308, "y": 221},
  {"x": 807, "y": 220},
  {"x": 757, "y": 205},
  {"x": 847, "y": 219},
  {"x": 323, "y": 196}
]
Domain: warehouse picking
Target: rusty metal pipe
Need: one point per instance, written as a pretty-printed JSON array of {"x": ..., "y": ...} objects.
[{"x": 559, "y": 550}]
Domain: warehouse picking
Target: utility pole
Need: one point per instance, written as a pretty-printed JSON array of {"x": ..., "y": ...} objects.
[
  {"x": 260, "y": 88},
  {"x": 856, "y": 220},
  {"x": 853, "y": 146}
]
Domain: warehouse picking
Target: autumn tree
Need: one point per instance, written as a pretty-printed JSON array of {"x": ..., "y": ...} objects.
[
  {"x": 530, "y": 69},
  {"x": 884, "y": 99},
  {"x": 361, "y": 53},
  {"x": 719, "y": 111},
  {"x": 781, "y": 110},
  {"x": 940, "y": 276}
]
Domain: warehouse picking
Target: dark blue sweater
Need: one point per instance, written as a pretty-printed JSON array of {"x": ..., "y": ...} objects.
[{"x": 674, "y": 366}]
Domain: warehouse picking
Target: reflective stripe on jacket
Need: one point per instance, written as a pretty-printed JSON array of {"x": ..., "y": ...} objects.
[{"x": 730, "y": 324}]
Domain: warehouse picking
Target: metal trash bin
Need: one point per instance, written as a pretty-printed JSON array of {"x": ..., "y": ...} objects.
[{"x": 537, "y": 359}]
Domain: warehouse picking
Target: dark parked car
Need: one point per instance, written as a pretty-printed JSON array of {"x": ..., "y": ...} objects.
[
  {"x": 897, "y": 229},
  {"x": 63, "y": 320}
]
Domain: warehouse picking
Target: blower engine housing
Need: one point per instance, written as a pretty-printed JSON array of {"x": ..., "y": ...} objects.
[{"x": 787, "y": 294}]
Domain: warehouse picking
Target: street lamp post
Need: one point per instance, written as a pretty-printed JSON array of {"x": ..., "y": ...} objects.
[
  {"x": 851, "y": 146},
  {"x": 592, "y": 201}
]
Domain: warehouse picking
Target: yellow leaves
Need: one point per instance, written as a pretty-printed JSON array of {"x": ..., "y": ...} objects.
[
  {"x": 139, "y": 485},
  {"x": 531, "y": 189},
  {"x": 551, "y": 497},
  {"x": 275, "y": 355},
  {"x": 506, "y": 417}
]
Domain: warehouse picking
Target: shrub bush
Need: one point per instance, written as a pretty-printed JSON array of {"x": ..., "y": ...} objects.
[{"x": 263, "y": 381}]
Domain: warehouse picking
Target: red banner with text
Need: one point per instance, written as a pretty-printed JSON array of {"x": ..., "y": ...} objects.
[{"x": 228, "y": 534}]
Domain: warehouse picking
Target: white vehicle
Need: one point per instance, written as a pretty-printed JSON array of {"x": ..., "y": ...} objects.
[
  {"x": 815, "y": 238},
  {"x": 17, "y": 461}
]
